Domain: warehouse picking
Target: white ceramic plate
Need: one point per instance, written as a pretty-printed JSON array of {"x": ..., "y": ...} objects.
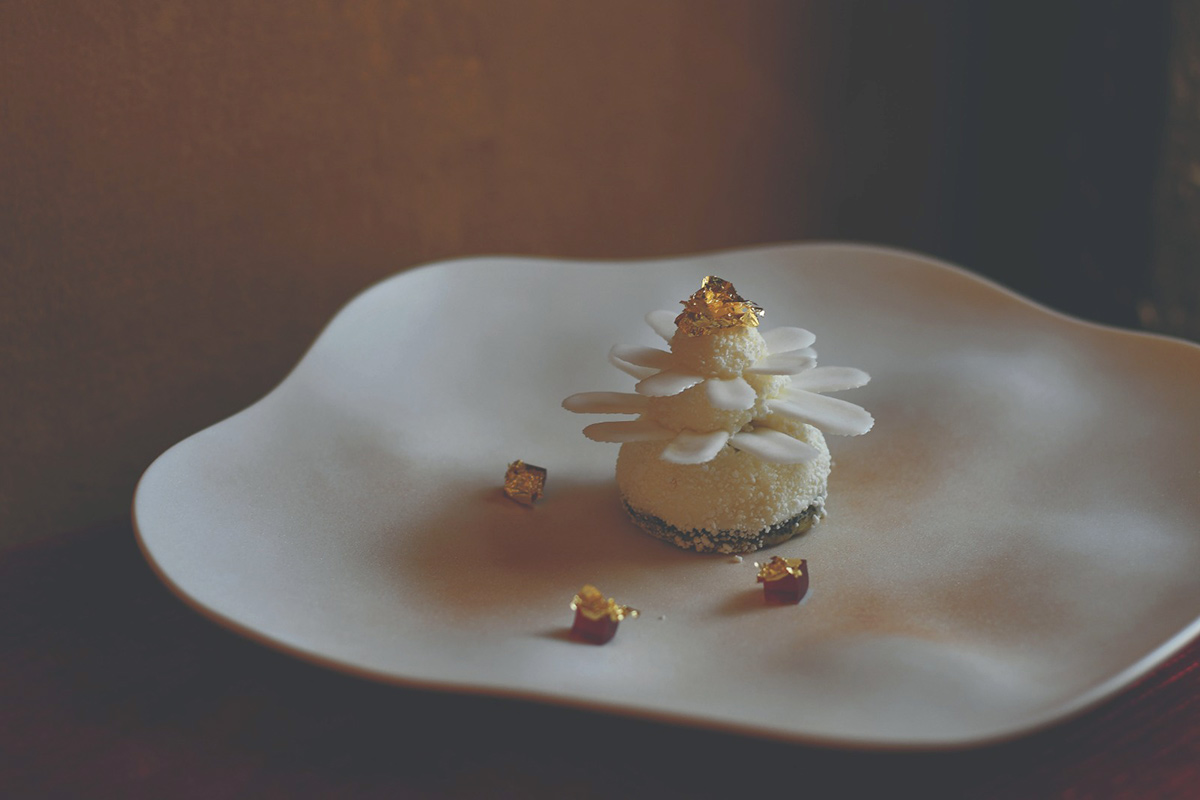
[{"x": 1017, "y": 539}]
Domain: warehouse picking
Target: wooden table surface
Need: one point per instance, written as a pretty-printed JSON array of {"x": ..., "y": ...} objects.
[{"x": 112, "y": 687}]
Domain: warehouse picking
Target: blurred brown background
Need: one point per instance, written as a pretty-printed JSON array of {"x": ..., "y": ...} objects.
[{"x": 188, "y": 191}]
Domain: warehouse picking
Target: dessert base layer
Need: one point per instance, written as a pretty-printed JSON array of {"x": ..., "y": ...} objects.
[
  {"x": 735, "y": 491},
  {"x": 703, "y": 541}
]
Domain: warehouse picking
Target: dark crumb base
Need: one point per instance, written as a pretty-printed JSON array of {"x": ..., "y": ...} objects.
[{"x": 729, "y": 541}]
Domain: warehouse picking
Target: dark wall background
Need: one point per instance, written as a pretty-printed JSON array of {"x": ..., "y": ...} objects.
[
  {"x": 1063, "y": 122},
  {"x": 1046, "y": 124},
  {"x": 189, "y": 191}
]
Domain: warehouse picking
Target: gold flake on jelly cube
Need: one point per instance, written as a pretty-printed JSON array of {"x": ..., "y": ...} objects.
[
  {"x": 597, "y": 616},
  {"x": 592, "y": 603},
  {"x": 784, "y": 580},
  {"x": 524, "y": 482},
  {"x": 779, "y": 568}
]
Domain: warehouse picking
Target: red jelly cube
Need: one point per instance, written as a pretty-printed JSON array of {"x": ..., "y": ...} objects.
[
  {"x": 789, "y": 589},
  {"x": 596, "y": 631}
]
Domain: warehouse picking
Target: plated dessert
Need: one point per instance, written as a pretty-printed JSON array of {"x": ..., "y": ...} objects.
[
  {"x": 343, "y": 518},
  {"x": 727, "y": 453}
]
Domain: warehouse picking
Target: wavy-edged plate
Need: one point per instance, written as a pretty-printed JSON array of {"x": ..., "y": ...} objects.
[{"x": 1016, "y": 540}]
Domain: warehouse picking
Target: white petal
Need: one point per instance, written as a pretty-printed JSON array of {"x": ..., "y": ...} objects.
[
  {"x": 636, "y": 430},
  {"x": 774, "y": 446},
  {"x": 787, "y": 363},
  {"x": 731, "y": 395},
  {"x": 606, "y": 403},
  {"x": 780, "y": 340},
  {"x": 663, "y": 322},
  {"x": 667, "y": 383},
  {"x": 829, "y": 414},
  {"x": 694, "y": 448},
  {"x": 830, "y": 379},
  {"x": 629, "y": 369},
  {"x": 640, "y": 356}
]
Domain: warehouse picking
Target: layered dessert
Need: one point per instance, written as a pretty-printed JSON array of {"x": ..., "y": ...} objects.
[{"x": 727, "y": 452}]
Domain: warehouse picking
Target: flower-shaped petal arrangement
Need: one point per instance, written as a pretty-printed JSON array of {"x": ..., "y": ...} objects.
[{"x": 734, "y": 419}]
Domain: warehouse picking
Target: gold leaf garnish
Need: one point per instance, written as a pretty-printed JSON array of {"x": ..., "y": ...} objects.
[
  {"x": 524, "y": 482},
  {"x": 715, "y": 306},
  {"x": 779, "y": 568},
  {"x": 592, "y": 603}
]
